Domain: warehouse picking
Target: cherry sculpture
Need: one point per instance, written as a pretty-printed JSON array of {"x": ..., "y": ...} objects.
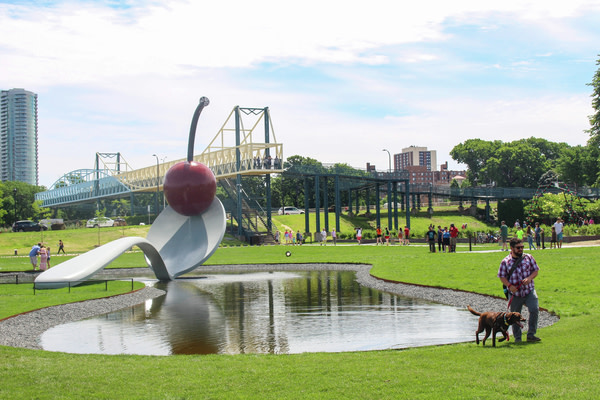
[{"x": 190, "y": 186}]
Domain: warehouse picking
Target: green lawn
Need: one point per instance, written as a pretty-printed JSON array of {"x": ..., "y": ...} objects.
[{"x": 564, "y": 365}]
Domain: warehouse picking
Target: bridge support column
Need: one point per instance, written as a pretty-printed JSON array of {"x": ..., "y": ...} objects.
[
  {"x": 306, "y": 207},
  {"x": 317, "y": 204},
  {"x": 338, "y": 203},
  {"x": 268, "y": 205},
  {"x": 487, "y": 210},
  {"x": 407, "y": 191},
  {"x": 395, "y": 205},
  {"x": 325, "y": 204},
  {"x": 390, "y": 205},
  {"x": 349, "y": 201},
  {"x": 377, "y": 205}
]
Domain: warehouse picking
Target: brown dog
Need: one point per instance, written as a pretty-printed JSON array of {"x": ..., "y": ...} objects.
[{"x": 496, "y": 322}]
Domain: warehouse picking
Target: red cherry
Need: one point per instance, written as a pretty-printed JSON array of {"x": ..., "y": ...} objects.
[{"x": 190, "y": 187}]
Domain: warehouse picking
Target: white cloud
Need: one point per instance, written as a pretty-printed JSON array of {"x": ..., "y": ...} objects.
[{"x": 127, "y": 80}]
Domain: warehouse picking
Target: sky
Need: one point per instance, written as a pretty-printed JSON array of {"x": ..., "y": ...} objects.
[{"x": 343, "y": 80}]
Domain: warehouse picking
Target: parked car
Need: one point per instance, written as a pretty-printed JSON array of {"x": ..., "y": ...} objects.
[
  {"x": 289, "y": 211},
  {"x": 99, "y": 222},
  {"x": 27, "y": 226}
]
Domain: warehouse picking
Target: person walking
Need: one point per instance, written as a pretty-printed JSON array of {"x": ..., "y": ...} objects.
[
  {"x": 440, "y": 235},
  {"x": 324, "y": 237},
  {"x": 387, "y": 236},
  {"x": 406, "y": 235},
  {"x": 379, "y": 240},
  {"x": 61, "y": 247},
  {"x": 517, "y": 272},
  {"x": 334, "y": 236},
  {"x": 358, "y": 235}
]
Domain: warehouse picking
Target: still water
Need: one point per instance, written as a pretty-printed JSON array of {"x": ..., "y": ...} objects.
[{"x": 265, "y": 312}]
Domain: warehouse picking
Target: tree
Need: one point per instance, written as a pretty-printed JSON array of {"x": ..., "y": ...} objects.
[
  {"x": 594, "y": 130},
  {"x": 516, "y": 164},
  {"x": 21, "y": 201},
  {"x": 475, "y": 153},
  {"x": 579, "y": 166}
]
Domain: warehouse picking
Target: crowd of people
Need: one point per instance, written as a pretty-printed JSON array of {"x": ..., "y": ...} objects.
[{"x": 535, "y": 235}]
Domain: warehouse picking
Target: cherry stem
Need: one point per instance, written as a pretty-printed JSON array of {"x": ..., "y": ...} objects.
[{"x": 203, "y": 103}]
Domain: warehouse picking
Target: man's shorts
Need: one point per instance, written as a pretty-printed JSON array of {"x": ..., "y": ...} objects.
[
  {"x": 559, "y": 236},
  {"x": 33, "y": 260},
  {"x": 504, "y": 239}
]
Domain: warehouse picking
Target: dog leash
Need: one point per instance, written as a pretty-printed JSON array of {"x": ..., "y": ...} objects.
[{"x": 512, "y": 295}]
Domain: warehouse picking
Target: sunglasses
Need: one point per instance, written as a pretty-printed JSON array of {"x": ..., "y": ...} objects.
[{"x": 519, "y": 247}]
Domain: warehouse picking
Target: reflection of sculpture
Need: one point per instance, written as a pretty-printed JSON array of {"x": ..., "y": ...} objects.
[{"x": 182, "y": 237}]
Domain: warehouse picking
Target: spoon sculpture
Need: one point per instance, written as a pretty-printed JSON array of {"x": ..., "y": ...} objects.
[{"x": 183, "y": 236}]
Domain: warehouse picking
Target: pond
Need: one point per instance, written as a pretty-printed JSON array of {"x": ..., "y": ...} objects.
[{"x": 265, "y": 312}]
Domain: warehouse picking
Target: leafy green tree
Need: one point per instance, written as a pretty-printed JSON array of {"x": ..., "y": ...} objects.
[
  {"x": 22, "y": 200},
  {"x": 551, "y": 150},
  {"x": 594, "y": 130},
  {"x": 516, "y": 164},
  {"x": 475, "y": 153},
  {"x": 579, "y": 165}
]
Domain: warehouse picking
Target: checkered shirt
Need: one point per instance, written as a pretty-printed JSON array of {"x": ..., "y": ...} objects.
[{"x": 526, "y": 268}]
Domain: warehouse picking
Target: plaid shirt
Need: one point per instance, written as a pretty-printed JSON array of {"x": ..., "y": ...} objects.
[{"x": 526, "y": 268}]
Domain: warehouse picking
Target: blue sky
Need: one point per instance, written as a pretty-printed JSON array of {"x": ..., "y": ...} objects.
[{"x": 343, "y": 79}]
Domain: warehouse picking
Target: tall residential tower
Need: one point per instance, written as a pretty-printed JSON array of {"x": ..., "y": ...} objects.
[{"x": 18, "y": 136}]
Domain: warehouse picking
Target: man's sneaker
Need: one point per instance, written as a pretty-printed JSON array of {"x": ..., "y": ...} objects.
[{"x": 533, "y": 339}]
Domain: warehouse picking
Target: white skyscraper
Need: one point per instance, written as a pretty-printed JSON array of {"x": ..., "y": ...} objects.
[{"x": 18, "y": 136}]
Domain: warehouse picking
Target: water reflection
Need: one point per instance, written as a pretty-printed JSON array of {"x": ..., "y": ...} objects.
[{"x": 266, "y": 312}]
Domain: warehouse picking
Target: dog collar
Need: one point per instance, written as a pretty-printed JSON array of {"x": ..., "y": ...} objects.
[{"x": 505, "y": 323}]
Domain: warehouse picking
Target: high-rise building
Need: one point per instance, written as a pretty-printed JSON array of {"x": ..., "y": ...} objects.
[
  {"x": 18, "y": 136},
  {"x": 415, "y": 156}
]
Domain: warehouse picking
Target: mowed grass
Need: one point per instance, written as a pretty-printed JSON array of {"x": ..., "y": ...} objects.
[
  {"x": 564, "y": 365},
  {"x": 21, "y": 298}
]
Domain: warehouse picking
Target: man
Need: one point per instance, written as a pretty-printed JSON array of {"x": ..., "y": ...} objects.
[
  {"x": 539, "y": 231},
  {"x": 324, "y": 237},
  {"x": 504, "y": 235},
  {"x": 431, "y": 235},
  {"x": 453, "y": 238},
  {"x": 521, "y": 287},
  {"x": 558, "y": 226},
  {"x": 35, "y": 250}
]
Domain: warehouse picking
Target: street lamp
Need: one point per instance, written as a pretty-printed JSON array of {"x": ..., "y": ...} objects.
[
  {"x": 389, "y": 160},
  {"x": 164, "y": 198},
  {"x": 157, "y": 184}
]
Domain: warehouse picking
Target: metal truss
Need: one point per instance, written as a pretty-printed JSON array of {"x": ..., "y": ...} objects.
[{"x": 239, "y": 148}]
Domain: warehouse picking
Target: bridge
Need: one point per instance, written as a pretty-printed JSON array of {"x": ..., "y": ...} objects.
[{"x": 235, "y": 149}]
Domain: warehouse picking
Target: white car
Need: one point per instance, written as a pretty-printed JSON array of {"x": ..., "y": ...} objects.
[
  {"x": 289, "y": 211},
  {"x": 99, "y": 222}
]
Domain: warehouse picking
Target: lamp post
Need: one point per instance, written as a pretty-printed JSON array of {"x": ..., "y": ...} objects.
[
  {"x": 157, "y": 184},
  {"x": 15, "y": 201},
  {"x": 164, "y": 198},
  {"x": 389, "y": 160}
]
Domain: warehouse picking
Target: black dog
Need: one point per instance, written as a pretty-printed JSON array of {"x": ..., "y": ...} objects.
[{"x": 496, "y": 322}]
